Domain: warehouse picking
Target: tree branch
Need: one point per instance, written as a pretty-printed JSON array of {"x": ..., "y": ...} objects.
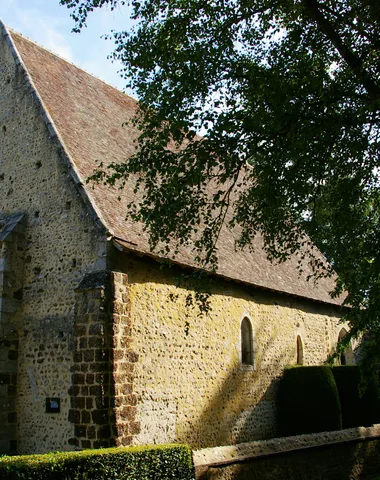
[{"x": 353, "y": 61}]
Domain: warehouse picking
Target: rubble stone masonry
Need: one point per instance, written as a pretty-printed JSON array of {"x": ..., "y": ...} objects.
[
  {"x": 189, "y": 382},
  {"x": 61, "y": 244}
]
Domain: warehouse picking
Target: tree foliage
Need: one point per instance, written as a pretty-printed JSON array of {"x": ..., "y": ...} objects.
[{"x": 286, "y": 94}]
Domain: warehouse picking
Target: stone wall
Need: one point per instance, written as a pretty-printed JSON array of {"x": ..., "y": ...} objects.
[
  {"x": 12, "y": 247},
  {"x": 8, "y": 390},
  {"x": 190, "y": 384},
  {"x": 92, "y": 387},
  {"x": 103, "y": 402},
  {"x": 345, "y": 454},
  {"x": 62, "y": 244},
  {"x": 125, "y": 359}
]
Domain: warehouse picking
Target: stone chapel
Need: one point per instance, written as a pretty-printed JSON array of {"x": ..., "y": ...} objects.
[{"x": 97, "y": 346}]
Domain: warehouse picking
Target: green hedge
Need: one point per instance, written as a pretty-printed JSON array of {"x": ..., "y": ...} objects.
[
  {"x": 356, "y": 410},
  {"x": 133, "y": 463},
  {"x": 308, "y": 401}
]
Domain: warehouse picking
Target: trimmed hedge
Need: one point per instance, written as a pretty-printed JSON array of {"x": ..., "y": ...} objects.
[
  {"x": 308, "y": 401},
  {"x": 356, "y": 410},
  {"x": 163, "y": 462}
]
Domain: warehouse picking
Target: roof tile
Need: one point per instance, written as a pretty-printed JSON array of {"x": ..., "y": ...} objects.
[{"x": 88, "y": 115}]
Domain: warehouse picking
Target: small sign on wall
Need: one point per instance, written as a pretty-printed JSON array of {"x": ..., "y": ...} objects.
[{"x": 53, "y": 405}]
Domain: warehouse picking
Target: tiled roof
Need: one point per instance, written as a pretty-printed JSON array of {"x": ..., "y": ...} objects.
[{"x": 88, "y": 115}]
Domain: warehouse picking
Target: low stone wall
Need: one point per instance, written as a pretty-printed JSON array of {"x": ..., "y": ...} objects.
[{"x": 345, "y": 454}]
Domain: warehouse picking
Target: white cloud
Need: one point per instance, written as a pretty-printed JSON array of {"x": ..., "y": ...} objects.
[
  {"x": 50, "y": 25},
  {"x": 57, "y": 43},
  {"x": 104, "y": 69},
  {"x": 45, "y": 30},
  {"x": 43, "y": 25}
]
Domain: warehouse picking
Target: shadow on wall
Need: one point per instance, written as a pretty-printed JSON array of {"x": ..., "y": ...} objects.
[
  {"x": 242, "y": 409},
  {"x": 229, "y": 402},
  {"x": 342, "y": 461}
]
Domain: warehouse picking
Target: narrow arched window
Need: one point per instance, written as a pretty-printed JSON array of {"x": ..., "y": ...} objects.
[
  {"x": 346, "y": 357},
  {"x": 299, "y": 351},
  {"x": 247, "y": 354}
]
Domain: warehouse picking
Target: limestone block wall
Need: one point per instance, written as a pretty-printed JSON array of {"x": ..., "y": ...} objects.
[
  {"x": 103, "y": 402},
  {"x": 125, "y": 359},
  {"x": 189, "y": 380},
  {"x": 62, "y": 244},
  {"x": 92, "y": 389}
]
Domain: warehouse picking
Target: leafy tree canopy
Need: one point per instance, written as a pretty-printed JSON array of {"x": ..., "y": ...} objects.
[{"x": 286, "y": 94}]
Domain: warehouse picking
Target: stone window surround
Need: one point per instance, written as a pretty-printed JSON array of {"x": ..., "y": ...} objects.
[{"x": 247, "y": 366}]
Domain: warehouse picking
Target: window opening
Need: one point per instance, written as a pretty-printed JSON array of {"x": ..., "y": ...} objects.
[
  {"x": 247, "y": 353},
  {"x": 346, "y": 357},
  {"x": 299, "y": 351}
]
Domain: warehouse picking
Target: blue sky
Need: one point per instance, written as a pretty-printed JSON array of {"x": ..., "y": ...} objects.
[{"x": 50, "y": 25}]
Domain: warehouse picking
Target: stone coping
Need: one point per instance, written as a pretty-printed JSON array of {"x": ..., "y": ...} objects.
[{"x": 244, "y": 451}]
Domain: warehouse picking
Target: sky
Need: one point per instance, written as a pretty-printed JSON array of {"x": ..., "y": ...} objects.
[{"x": 50, "y": 25}]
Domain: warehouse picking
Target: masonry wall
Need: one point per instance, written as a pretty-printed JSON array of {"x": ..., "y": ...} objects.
[
  {"x": 345, "y": 454},
  {"x": 189, "y": 380},
  {"x": 61, "y": 245},
  {"x": 103, "y": 402},
  {"x": 12, "y": 246}
]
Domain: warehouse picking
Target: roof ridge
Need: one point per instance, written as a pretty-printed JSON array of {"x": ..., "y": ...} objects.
[{"x": 52, "y": 129}]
